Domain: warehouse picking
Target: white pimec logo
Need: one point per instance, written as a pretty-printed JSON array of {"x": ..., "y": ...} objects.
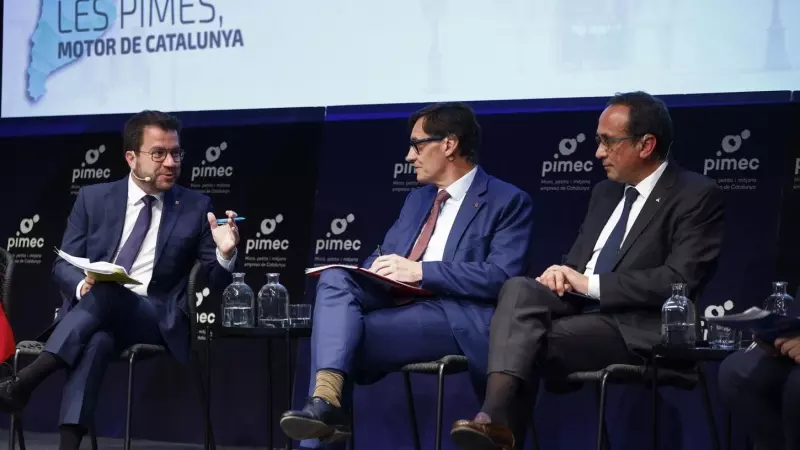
[
  {"x": 338, "y": 226},
  {"x": 86, "y": 171},
  {"x": 731, "y": 143},
  {"x": 261, "y": 242},
  {"x": 204, "y": 317},
  {"x": 715, "y": 311},
  {"x": 22, "y": 240},
  {"x": 567, "y": 147},
  {"x": 405, "y": 168},
  {"x": 207, "y": 169}
]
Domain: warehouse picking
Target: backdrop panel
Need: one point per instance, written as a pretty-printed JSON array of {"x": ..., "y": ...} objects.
[{"x": 316, "y": 198}]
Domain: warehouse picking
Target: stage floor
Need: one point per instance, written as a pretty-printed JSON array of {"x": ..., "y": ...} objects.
[{"x": 49, "y": 441}]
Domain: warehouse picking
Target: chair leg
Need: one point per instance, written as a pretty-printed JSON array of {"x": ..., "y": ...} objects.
[
  {"x": 20, "y": 436},
  {"x": 93, "y": 437},
  {"x": 352, "y": 427},
  {"x": 12, "y": 424},
  {"x": 440, "y": 408},
  {"x": 411, "y": 411},
  {"x": 129, "y": 403},
  {"x": 712, "y": 423},
  {"x": 602, "y": 433}
]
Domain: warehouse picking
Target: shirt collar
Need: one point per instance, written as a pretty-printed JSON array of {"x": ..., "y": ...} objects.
[
  {"x": 135, "y": 193},
  {"x": 646, "y": 186},
  {"x": 458, "y": 189}
]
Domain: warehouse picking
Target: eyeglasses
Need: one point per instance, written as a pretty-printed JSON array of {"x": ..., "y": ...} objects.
[
  {"x": 416, "y": 142},
  {"x": 159, "y": 155},
  {"x": 609, "y": 142}
]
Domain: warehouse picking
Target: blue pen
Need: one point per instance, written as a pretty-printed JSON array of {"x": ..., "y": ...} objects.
[{"x": 225, "y": 220}]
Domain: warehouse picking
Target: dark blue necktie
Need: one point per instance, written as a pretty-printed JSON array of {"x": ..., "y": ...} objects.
[
  {"x": 605, "y": 261},
  {"x": 131, "y": 247}
]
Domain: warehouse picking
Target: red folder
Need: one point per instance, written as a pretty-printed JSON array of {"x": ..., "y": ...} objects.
[
  {"x": 7, "y": 344},
  {"x": 397, "y": 288}
]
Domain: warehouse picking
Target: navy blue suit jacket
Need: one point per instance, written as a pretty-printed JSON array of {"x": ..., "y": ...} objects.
[
  {"x": 94, "y": 231},
  {"x": 489, "y": 243}
]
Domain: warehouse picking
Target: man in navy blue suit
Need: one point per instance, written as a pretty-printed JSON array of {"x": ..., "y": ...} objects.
[
  {"x": 156, "y": 230},
  {"x": 460, "y": 237}
]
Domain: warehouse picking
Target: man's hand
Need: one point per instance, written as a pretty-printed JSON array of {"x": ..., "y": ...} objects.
[
  {"x": 789, "y": 347},
  {"x": 578, "y": 281},
  {"x": 225, "y": 236},
  {"x": 555, "y": 279},
  {"x": 397, "y": 268},
  {"x": 88, "y": 282}
]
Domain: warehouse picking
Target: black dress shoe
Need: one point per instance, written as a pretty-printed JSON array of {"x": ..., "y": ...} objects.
[
  {"x": 317, "y": 420},
  {"x": 11, "y": 399}
]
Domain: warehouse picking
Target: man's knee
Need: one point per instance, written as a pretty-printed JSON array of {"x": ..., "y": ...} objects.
[
  {"x": 535, "y": 292},
  {"x": 334, "y": 278}
]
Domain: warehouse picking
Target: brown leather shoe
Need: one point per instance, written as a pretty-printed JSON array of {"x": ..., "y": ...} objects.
[{"x": 469, "y": 435}]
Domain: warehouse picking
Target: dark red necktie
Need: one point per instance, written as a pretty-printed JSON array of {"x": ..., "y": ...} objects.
[{"x": 427, "y": 229}]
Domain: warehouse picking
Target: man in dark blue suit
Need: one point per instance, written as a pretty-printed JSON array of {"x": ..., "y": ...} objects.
[
  {"x": 460, "y": 237},
  {"x": 156, "y": 230}
]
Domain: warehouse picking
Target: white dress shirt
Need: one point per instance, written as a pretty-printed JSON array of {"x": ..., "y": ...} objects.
[
  {"x": 142, "y": 268},
  {"x": 645, "y": 187},
  {"x": 447, "y": 216}
]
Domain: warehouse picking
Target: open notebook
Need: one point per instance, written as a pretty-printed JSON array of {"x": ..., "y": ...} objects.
[
  {"x": 396, "y": 287},
  {"x": 99, "y": 270}
]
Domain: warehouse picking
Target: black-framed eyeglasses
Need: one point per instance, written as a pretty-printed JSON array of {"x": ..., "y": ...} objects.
[
  {"x": 609, "y": 142},
  {"x": 416, "y": 142},
  {"x": 159, "y": 155}
]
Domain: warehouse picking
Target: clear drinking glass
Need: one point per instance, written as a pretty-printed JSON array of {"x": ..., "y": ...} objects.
[
  {"x": 300, "y": 315},
  {"x": 724, "y": 338}
]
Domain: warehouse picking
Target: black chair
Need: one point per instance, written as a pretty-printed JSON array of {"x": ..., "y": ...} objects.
[
  {"x": 677, "y": 373},
  {"x": 132, "y": 354},
  {"x": 449, "y": 365}
]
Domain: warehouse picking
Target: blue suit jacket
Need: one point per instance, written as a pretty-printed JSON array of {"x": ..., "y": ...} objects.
[
  {"x": 489, "y": 243},
  {"x": 94, "y": 231}
]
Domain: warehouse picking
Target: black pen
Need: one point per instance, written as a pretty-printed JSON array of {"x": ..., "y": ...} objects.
[{"x": 380, "y": 253}]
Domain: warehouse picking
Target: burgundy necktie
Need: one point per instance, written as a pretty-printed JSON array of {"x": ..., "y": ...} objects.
[{"x": 427, "y": 229}]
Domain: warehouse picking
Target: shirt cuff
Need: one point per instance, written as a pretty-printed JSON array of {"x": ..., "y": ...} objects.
[
  {"x": 594, "y": 286},
  {"x": 227, "y": 264},
  {"x": 78, "y": 289}
]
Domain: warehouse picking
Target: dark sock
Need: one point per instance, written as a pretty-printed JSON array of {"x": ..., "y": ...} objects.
[
  {"x": 71, "y": 436},
  {"x": 36, "y": 372},
  {"x": 501, "y": 389}
]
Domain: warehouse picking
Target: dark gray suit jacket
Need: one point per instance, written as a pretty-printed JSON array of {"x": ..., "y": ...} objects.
[{"x": 676, "y": 238}]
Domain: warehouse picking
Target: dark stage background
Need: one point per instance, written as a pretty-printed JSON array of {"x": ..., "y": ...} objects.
[{"x": 316, "y": 180}]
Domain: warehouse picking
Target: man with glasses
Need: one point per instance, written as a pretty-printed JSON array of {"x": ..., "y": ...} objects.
[
  {"x": 155, "y": 230},
  {"x": 649, "y": 225},
  {"x": 460, "y": 237}
]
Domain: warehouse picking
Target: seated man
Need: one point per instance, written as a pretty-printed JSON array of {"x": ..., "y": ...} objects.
[
  {"x": 761, "y": 386},
  {"x": 649, "y": 225},
  {"x": 461, "y": 237},
  {"x": 156, "y": 230}
]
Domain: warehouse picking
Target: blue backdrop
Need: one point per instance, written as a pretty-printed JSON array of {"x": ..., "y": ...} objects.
[{"x": 317, "y": 191}]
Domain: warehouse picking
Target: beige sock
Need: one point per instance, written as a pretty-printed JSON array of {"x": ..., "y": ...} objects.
[{"x": 329, "y": 386}]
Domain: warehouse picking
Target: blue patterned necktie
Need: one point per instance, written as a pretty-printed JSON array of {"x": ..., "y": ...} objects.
[
  {"x": 131, "y": 247},
  {"x": 605, "y": 261}
]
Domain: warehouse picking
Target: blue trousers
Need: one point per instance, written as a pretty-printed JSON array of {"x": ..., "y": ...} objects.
[
  {"x": 358, "y": 329},
  {"x": 108, "y": 319},
  {"x": 763, "y": 392}
]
